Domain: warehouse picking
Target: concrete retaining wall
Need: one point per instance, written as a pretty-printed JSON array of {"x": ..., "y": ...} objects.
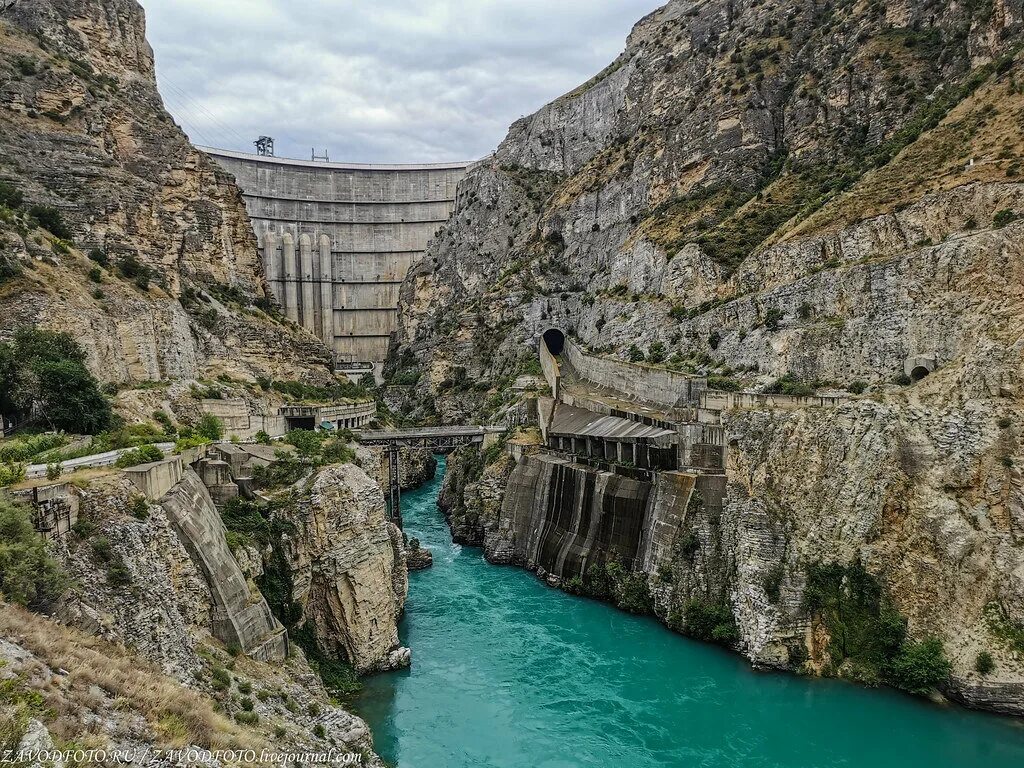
[
  {"x": 240, "y": 617},
  {"x": 640, "y": 382},
  {"x": 724, "y": 401},
  {"x": 157, "y": 478},
  {"x": 552, "y": 372}
]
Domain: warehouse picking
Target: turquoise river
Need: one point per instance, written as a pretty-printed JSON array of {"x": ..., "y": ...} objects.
[{"x": 509, "y": 672}]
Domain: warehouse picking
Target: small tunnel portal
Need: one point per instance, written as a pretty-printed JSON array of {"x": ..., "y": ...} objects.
[
  {"x": 555, "y": 340},
  {"x": 919, "y": 373}
]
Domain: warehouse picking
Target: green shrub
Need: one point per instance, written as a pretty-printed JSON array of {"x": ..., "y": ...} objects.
[
  {"x": 920, "y": 667},
  {"x": 10, "y": 195},
  {"x": 220, "y": 679},
  {"x": 96, "y": 274},
  {"x": 210, "y": 427},
  {"x": 804, "y": 311},
  {"x": 138, "y": 507},
  {"x": 54, "y": 471},
  {"x": 902, "y": 379},
  {"x": 319, "y": 731},
  {"x": 714, "y": 339},
  {"x": 862, "y": 623},
  {"x": 772, "y": 319},
  {"x": 984, "y": 663},
  {"x": 724, "y": 383},
  {"x": 705, "y": 619},
  {"x": 634, "y": 354},
  {"x": 1004, "y": 217},
  {"x": 656, "y": 352},
  {"x": 144, "y": 454},
  {"x": 247, "y": 718},
  {"x": 28, "y": 575},
  {"x": 100, "y": 257},
  {"x": 633, "y": 594},
  {"x": 262, "y": 438},
  {"x": 11, "y": 473},
  {"x": 50, "y": 219},
  {"x": 306, "y": 442},
  {"x": 101, "y": 547},
  {"x": 789, "y": 384},
  {"x": 857, "y": 386},
  {"x": 118, "y": 574}
]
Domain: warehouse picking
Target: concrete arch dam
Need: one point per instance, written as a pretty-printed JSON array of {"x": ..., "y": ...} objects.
[{"x": 337, "y": 239}]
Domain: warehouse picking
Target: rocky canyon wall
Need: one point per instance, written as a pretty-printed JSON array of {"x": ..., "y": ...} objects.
[
  {"x": 787, "y": 197},
  {"x": 153, "y": 265}
]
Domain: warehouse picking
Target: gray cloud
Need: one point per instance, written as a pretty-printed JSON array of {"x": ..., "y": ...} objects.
[{"x": 384, "y": 81}]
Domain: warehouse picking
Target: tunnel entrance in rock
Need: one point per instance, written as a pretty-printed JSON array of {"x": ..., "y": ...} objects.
[
  {"x": 555, "y": 340},
  {"x": 919, "y": 372}
]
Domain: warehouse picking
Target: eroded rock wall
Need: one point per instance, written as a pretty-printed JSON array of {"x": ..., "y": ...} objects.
[
  {"x": 348, "y": 568},
  {"x": 84, "y": 130}
]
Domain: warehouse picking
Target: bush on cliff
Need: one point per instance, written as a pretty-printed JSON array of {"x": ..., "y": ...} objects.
[
  {"x": 919, "y": 667},
  {"x": 867, "y": 635},
  {"x": 706, "y": 619},
  {"x": 28, "y": 575},
  {"x": 43, "y": 376},
  {"x": 210, "y": 427},
  {"x": 144, "y": 454}
]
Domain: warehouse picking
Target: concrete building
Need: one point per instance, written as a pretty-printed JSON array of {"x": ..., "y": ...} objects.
[{"x": 338, "y": 238}]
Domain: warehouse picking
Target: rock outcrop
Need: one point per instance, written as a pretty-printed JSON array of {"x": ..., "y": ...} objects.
[
  {"x": 773, "y": 195},
  {"x": 148, "y": 608},
  {"x": 149, "y": 258},
  {"x": 348, "y": 568}
]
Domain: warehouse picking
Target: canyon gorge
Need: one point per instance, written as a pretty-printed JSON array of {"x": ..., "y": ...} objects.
[{"x": 728, "y": 338}]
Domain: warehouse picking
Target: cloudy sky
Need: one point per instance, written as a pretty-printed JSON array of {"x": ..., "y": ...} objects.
[{"x": 376, "y": 80}]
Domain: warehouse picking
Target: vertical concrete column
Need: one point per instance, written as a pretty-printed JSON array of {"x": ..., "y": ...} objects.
[
  {"x": 291, "y": 277},
  {"x": 308, "y": 286},
  {"x": 326, "y": 292},
  {"x": 272, "y": 264}
]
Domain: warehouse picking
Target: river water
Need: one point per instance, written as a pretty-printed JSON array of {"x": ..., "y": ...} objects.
[{"x": 509, "y": 672}]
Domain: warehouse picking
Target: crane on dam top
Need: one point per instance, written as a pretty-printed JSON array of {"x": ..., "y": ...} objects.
[{"x": 434, "y": 439}]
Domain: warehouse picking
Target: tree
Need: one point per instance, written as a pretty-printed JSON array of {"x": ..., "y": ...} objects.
[
  {"x": 210, "y": 427},
  {"x": 43, "y": 373},
  {"x": 69, "y": 398},
  {"x": 28, "y": 575}
]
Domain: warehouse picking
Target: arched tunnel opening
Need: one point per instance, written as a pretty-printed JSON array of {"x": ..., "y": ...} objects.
[
  {"x": 555, "y": 341},
  {"x": 919, "y": 372}
]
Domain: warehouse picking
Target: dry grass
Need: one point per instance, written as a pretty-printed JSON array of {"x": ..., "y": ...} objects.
[
  {"x": 987, "y": 126},
  {"x": 176, "y": 715}
]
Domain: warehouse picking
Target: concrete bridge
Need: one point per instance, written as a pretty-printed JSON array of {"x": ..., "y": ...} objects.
[{"x": 434, "y": 439}]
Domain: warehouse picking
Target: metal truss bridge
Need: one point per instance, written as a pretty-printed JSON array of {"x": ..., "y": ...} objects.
[{"x": 434, "y": 439}]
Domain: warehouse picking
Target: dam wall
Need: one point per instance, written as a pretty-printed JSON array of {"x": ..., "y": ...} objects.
[{"x": 337, "y": 240}]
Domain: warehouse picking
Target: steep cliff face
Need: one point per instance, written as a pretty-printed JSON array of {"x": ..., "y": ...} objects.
[
  {"x": 348, "y": 568},
  {"x": 148, "y": 607},
  {"x": 174, "y": 282},
  {"x": 748, "y": 184},
  {"x": 824, "y": 194}
]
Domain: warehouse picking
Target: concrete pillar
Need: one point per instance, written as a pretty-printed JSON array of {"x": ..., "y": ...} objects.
[
  {"x": 269, "y": 247},
  {"x": 309, "y": 292},
  {"x": 291, "y": 277},
  {"x": 326, "y": 292}
]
